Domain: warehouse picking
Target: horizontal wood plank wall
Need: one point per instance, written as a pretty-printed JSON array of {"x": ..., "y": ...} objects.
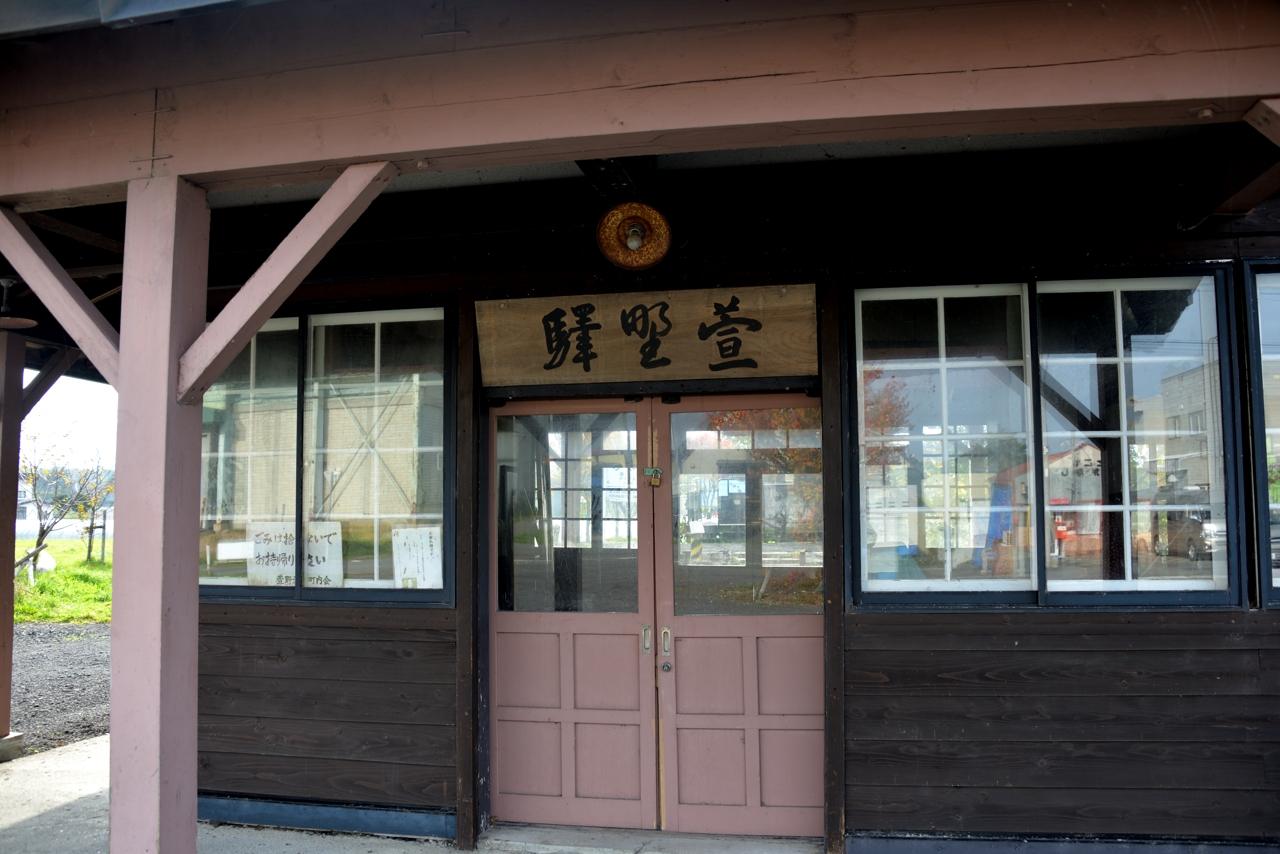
[
  {"x": 348, "y": 705},
  {"x": 1134, "y": 724}
]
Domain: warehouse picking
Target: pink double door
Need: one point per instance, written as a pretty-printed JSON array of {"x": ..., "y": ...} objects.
[{"x": 655, "y": 626}]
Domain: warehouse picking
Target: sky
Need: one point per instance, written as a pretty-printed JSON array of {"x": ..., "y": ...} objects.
[{"x": 76, "y": 419}]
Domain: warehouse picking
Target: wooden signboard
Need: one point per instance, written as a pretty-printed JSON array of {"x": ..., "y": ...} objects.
[{"x": 716, "y": 333}]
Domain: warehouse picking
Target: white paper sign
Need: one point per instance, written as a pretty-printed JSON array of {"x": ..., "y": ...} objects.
[
  {"x": 418, "y": 558},
  {"x": 324, "y": 555},
  {"x": 274, "y": 552}
]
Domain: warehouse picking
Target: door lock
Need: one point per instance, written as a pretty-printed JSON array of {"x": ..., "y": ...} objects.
[
  {"x": 666, "y": 667},
  {"x": 654, "y": 475}
]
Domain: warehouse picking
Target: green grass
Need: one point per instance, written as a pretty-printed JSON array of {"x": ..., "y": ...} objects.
[{"x": 75, "y": 592}]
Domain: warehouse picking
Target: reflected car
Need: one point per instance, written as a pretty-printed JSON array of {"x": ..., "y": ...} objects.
[{"x": 1195, "y": 534}]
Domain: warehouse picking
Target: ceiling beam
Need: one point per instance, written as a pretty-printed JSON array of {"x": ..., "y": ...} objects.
[
  {"x": 60, "y": 294},
  {"x": 74, "y": 232},
  {"x": 268, "y": 288}
]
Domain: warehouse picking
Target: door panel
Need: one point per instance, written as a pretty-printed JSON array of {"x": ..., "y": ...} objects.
[
  {"x": 573, "y": 697},
  {"x": 738, "y": 574}
]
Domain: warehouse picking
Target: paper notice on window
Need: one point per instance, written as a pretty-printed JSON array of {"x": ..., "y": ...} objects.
[
  {"x": 273, "y": 553},
  {"x": 324, "y": 555},
  {"x": 418, "y": 558}
]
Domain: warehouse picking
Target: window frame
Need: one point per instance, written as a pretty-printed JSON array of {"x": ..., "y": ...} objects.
[
  {"x": 1040, "y": 595},
  {"x": 1265, "y": 594},
  {"x": 445, "y": 597}
]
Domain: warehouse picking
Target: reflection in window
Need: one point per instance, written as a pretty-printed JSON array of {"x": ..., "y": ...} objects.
[
  {"x": 373, "y": 449},
  {"x": 943, "y": 425},
  {"x": 568, "y": 521},
  {"x": 248, "y": 460},
  {"x": 747, "y": 520},
  {"x": 1130, "y": 395},
  {"x": 1269, "y": 327}
]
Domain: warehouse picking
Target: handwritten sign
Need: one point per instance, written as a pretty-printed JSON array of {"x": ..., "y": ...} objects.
[
  {"x": 324, "y": 555},
  {"x": 647, "y": 337},
  {"x": 274, "y": 551},
  {"x": 417, "y": 557}
]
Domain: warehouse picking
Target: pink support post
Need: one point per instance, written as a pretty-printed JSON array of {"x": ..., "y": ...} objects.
[
  {"x": 155, "y": 591},
  {"x": 13, "y": 350}
]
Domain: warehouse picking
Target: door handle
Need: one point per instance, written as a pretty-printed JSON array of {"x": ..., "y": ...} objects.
[
  {"x": 666, "y": 641},
  {"x": 646, "y": 639}
]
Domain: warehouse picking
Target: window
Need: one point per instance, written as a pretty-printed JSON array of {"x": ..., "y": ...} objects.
[
  {"x": 1268, "y": 307},
  {"x": 943, "y": 431},
  {"x": 360, "y": 440},
  {"x": 1121, "y": 488}
]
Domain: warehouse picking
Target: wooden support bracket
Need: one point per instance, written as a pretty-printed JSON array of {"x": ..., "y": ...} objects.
[
  {"x": 275, "y": 280},
  {"x": 1265, "y": 117},
  {"x": 49, "y": 374},
  {"x": 60, "y": 294}
]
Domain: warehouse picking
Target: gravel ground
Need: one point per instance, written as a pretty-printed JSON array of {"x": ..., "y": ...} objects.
[{"x": 61, "y": 682}]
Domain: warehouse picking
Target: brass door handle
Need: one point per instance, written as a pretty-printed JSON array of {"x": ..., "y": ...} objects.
[
  {"x": 666, "y": 641},
  {"x": 646, "y": 639}
]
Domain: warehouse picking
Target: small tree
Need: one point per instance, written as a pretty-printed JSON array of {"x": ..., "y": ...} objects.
[
  {"x": 57, "y": 489},
  {"x": 98, "y": 483}
]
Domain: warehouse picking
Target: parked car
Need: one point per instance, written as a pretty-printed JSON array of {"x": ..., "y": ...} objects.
[{"x": 1194, "y": 533}]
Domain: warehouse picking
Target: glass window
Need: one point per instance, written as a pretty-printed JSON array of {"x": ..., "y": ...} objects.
[
  {"x": 1133, "y": 446},
  {"x": 248, "y": 460},
  {"x": 943, "y": 430},
  {"x": 370, "y": 468},
  {"x": 747, "y": 521},
  {"x": 568, "y": 513},
  {"x": 1269, "y": 338},
  {"x": 1130, "y": 444},
  {"x": 373, "y": 451}
]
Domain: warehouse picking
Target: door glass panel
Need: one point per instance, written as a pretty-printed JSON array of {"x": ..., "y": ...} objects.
[
  {"x": 747, "y": 511},
  {"x": 568, "y": 513}
]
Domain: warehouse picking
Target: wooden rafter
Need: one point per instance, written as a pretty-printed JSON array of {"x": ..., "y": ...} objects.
[
  {"x": 275, "y": 280},
  {"x": 60, "y": 294}
]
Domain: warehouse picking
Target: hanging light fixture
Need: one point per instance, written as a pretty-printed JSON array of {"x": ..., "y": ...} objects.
[
  {"x": 7, "y": 320},
  {"x": 634, "y": 236}
]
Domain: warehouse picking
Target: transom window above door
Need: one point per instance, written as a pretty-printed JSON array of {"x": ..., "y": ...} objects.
[{"x": 1090, "y": 463}]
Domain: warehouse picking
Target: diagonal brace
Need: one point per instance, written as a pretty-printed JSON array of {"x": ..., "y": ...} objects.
[
  {"x": 268, "y": 288},
  {"x": 60, "y": 294},
  {"x": 49, "y": 374}
]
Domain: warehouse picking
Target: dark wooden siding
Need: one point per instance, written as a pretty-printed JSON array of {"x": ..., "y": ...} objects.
[
  {"x": 1148, "y": 724},
  {"x": 351, "y": 705}
]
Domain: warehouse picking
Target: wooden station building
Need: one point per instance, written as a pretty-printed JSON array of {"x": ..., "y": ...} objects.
[{"x": 842, "y": 419}]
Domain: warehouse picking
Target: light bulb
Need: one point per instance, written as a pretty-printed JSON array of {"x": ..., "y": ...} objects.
[{"x": 635, "y": 236}]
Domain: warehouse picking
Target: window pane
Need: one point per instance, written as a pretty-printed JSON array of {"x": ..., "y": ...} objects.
[
  {"x": 1176, "y": 323},
  {"x": 1185, "y": 545},
  {"x": 900, "y": 329},
  {"x": 247, "y": 476},
  {"x": 747, "y": 526},
  {"x": 373, "y": 454},
  {"x": 1078, "y": 323},
  {"x": 1269, "y": 323},
  {"x": 1153, "y": 467},
  {"x": 986, "y": 400},
  {"x": 1080, "y": 395},
  {"x": 576, "y": 549},
  {"x": 1084, "y": 545},
  {"x": 984, "y": 327},
  {"x": 901, "y": 401},
  {"x": 945, "y": 448}
]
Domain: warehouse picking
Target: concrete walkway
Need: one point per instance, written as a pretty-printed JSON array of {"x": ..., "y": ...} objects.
[{"x": 56, "y": 803}]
